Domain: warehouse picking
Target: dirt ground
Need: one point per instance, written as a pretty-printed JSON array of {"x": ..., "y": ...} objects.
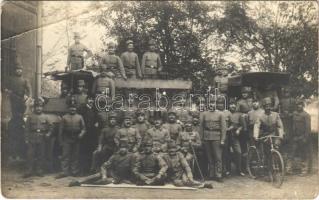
[{"x": 296, "y": 187}]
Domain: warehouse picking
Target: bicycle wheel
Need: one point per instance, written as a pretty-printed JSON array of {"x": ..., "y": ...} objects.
[
  {"x": 277, "y": 168},
  {"x": 253, "y": 162}
]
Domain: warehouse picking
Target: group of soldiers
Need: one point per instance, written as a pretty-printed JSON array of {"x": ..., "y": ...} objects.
[{"x": 154, "y": 147}]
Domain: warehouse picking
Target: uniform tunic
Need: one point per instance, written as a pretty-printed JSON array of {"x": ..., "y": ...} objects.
[
  {"x": 114, "y": 63},
  {"x": 268, "y": 124},
  {"x": 160, "y": 137},
  {"x": 131, "y": 63},
  {"x": 130, "y": 134},
  {"x": 192, "y": 136},
  {"x": 287, "y": 107},
  {"x": 148, "y": 166},
  {"x": 102, "y": 84},
  {"x": 221, "y": 83},
  {"x": 75, "y": 56},
  {"x": 151, "y": 62},
  {"x": 142, "y": 128},
  {"x": 174, "y": 129}
]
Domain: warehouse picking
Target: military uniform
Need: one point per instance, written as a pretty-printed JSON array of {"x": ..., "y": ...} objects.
[
  {"x": 178, "y": 172},
  {"x": 114, "y": 63},
  {"x": 75, "y": 55},
  {"x": 287, "y": 107},
  {"x": 268, "y": 124},
  {"x": 160, "y": 137},
  {"x": 151, "y": 62},
  {"x": 131, "y": 62},
  {"x": 301, "y": 140},
  {"x": 221, "y": 82},
  {"x": 72, "y": 126},
  {"x": 38, "y": 129},
  {"x": 130, "y": 134},
  {"x": 104, "y": 84},
  {"x": 142, "y": 128},
  {"x": 106, "y": 146},
  {"x": 174, "y": 129},
  {"x": 213, "y": 124},
  {"x": 149, "y": 166}
]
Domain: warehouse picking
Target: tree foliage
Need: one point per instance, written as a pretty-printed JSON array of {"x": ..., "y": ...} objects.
[
  {"x": 180, "y": 30},
  {"x": 277, "y": 37}
]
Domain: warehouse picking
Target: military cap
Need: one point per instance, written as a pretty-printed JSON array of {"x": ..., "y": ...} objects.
[
  {"x": 267, "y": 100},
  {"x": 112, "y": 114},
  {"x": 157, "y": 115},
  {"x": 246, "y": 89},
  {"x": 300, "y": 102},
  {"x": 151, "y": 42},
  {"x": 18, "y": 66},
  {"x": 171, "y": 111},
  {"x": 171, "y": 145},
  {"x": 81, "y": 83},
  {"x": 189, "y": 120},
  {"x": 111, "y": 44},
  {"x": 76, "y": 34},
  {"x": 139, "y": 112},
  {"x": 38, "y": 102},
  {"x": 64, "y": 85},
  {"x": 127, "y": 115},
  {"x": 148, "y": 142},
  {"x": 129, "y": 42}
]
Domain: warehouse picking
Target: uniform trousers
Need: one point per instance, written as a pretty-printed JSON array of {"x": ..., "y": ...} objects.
[{"x": 214, "y": 156}]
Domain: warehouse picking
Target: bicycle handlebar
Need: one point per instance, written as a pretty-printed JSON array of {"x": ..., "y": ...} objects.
[{"x": 269, "y": 136}]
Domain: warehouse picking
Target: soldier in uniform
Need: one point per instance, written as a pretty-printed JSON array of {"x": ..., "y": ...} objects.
[
  {"x": 213, "y": 124},
  {"x": 252, "y": 118},
  {"x": 301, "y": 126},
  {"x": 72, "y": 130},
  {"x": 104, "y": 84},
  {"x": 113, "y": 62},
  {"x": 130, "y": 61},
  {"x": 19, "y": 90},
  {"x": 151, "y": 61},
  {"x": 149, "y": 168},
  {"x": 270, "y": 92},
  {"x": 130, "y": 133},
  {"x": 178, "y": 172},
  {"x": 38, "y": 130},
  {"x": 268, "y": 123},
  {"x": 106, "y": 144},
  {"x": 221, "y": 80},
  {"x": 233, "y": 131},
  {"x": 142, "y": 125},
  {"x": 172, "y": 126},
  {"x": 75, "y": 59},
  {"x": 118, "y": 168},
  {"x": 81, "y": 97},
  {"x": 159, "y": 135}
]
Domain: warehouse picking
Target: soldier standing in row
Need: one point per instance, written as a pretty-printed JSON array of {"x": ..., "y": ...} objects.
[
  {"x": 172, "y": 126},
  {"x": 142, "y": 125},
  {"x": 38, "y": 130},
  {"x": 106, "y": 145},
  {"x": 19, "y": 90},
  {"x": 113, "y": 62},
  {"x": 104, "y": 84},
  {"x": 213, "y": 124},
  {"x": 149, "y": 168},
  {"x": 253, "y": 115},
  {"x": 129, "y": 133},
  {"x": 151, "y": 61},
  {"x": 75, "y": 59},
  {"x": 159, "y": 135},
  {"x": 130, "y": 61},
  {"x": 81, "y": 96},
  {"x": 72, "y": 130},
  {"x": 301, "y": 126}
]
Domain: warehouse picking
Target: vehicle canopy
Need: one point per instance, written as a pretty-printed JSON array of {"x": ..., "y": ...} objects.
[{"x": 257, "y": 80}]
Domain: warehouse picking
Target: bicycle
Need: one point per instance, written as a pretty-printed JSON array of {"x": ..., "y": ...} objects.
[{"x": 257, "y": 164}]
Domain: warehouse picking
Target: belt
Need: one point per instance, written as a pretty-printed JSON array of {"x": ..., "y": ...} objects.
[
  {"x": 152, "y": 67},
  {"x": 129, "y": 67},
  {"x": 77, "y": 56},
  {"x": 212, "y": 129}
]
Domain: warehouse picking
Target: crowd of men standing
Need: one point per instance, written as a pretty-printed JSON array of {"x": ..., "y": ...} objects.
[{"x": 153, "y": 147}]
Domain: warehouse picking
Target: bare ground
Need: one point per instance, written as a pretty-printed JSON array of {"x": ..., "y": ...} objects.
[{"x": 294, "y": 187}]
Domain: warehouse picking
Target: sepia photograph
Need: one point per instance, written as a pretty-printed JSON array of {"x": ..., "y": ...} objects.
[{"x": 159, "y": 99}]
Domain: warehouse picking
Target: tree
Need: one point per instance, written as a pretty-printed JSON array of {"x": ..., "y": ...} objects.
[
  {"x": 278, "y": 37},
  {"x": 179, "y": 28}
]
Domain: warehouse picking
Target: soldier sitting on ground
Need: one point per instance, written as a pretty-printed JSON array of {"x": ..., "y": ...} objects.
[
  {"x": 178, "y": 172},
  {"x": 118, "y": 169},
  {"x": 149, "y": 168},
  {"x": 38, "y": 130},
  {"x": 106, "y": 144},
  {"x": 130, "y": 61}
]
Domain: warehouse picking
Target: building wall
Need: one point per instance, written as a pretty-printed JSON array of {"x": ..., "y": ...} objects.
[{"x": 18, "y": 39}]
